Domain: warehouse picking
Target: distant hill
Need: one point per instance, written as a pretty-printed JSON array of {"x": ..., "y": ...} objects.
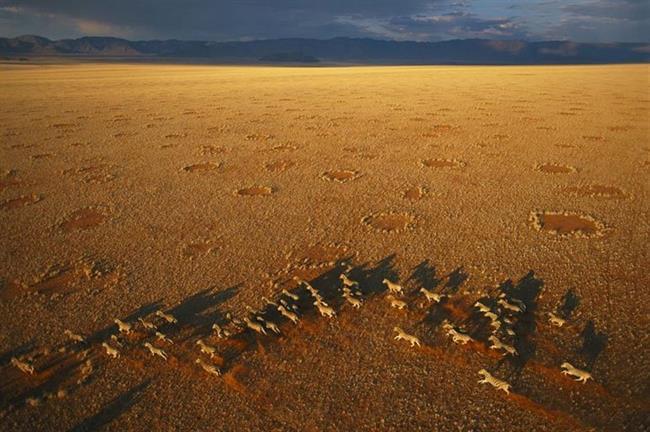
[
  {"x": 466, "y": 51},
  {"x": 295, "y": 57}
]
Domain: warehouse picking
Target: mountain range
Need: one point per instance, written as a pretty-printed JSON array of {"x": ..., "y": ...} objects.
[{"x": 346, "y": 50}]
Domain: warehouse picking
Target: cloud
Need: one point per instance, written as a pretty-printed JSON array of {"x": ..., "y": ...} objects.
[
  {"x": 459, "y": 24},
  {"x": 628, "y": 10},
  {"x": 393, "y": 19},
  {"x": 91, "y": 27},
  {"x": 438, "y": 27},
  {"x": 603, "y": 21},
  {"x": 17, "y": 20},
  {"x": 217, "y": 19}
]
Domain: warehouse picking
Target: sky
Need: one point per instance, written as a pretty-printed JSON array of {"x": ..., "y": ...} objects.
[{"x": 420, "y": 20}]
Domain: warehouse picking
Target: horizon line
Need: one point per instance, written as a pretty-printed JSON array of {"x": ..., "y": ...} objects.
[{"x": 322, "y": 39}]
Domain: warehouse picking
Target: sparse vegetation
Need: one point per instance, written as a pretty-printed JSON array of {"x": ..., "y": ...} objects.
[{"x": 257, "y": 210}]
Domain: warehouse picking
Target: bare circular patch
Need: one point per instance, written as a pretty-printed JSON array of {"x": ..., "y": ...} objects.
[
  {"x": 259, "y": 137},
  {"x": 41, "y": 156},
  {"x": 279, "y": 166},
  {"x": 389, "y": 222},
  {"x": 197, "y": 249},
  {"x": 594, "y": 138},
  {"x": 101, "y": 173},
  {"x": 415, "y": 193},
  {"x": 340, "y": 176},
  {"x": 202, "y": 167},
  {"x": 64, "y": 126},
  {"x": 10, "y": 289},
  {"x": 443, "y": 163},
  {"x": 620, "y": 128},
  {"x": 211, "y": 150},
  {"x": 21, "y": 201},
  {"x": 596, "y": 190},
  {"x": 83, "y": 219},
  {"x": 318, "y": 255},
  {"x": 567, "y": 224},
  {"x": 57, "y": 281},
  {"x": 284, "y": 147},
  {"x": 553, "y": 168},
  {"x": 9, "y": 179},
  {"x": 255, "y": 191},
  {"x": 444, "y": 128}
]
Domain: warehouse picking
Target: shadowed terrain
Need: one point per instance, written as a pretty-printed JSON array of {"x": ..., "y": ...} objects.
[{"x": 340, "y": 49}]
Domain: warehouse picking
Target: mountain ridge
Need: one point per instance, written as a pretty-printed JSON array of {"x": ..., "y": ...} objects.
[{"x": 339, "y": 49}]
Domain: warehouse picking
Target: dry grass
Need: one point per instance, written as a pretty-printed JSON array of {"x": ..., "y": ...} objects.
[{"x": 197, "y": 189}]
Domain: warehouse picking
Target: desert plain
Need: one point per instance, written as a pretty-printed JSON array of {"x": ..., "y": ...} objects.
[{"x": 198, "y": 190}]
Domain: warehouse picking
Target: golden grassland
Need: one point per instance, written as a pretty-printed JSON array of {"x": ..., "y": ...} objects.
[{"x": 199, "y": 189}]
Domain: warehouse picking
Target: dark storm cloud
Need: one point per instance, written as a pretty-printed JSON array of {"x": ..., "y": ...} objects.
[
  {"x": 387, "y": 19},
  {"x": 217, "y": 19},
  {"x": 604, "y": 21},
  {"x": 458, "y": 24},
  {"x": 633, "y": 10}
]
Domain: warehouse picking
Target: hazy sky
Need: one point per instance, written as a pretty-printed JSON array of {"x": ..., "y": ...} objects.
[{"x": 424, "y": 20}]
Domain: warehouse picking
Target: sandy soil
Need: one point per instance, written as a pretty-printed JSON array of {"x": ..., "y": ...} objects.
[{"x": 197, "y": 190}]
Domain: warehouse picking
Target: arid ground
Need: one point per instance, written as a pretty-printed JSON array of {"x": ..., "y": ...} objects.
[{"x": 197, "y": 190}]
